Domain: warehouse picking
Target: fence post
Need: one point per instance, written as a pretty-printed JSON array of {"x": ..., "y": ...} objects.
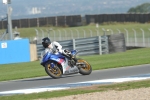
[
  {"x": 127, "y": 36},
  {"x": 100, "y": 45},
  {"x": 37, "y": 34},
  {"x": 74, "y": 44},
  {"x": 143, "y": 37},
  {"x": 135, "y": 37}
]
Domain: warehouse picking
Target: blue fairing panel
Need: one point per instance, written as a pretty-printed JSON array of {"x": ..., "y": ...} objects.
[{"x": 53, "y": 57}]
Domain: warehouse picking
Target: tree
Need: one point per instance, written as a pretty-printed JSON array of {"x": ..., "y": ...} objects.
[{"x": 143, "y": 8}]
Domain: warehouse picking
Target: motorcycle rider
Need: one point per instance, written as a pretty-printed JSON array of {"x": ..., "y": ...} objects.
[{"x": 54, "y": 47}]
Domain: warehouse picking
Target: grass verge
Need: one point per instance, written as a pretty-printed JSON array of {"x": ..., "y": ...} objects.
[{"x": 97, "y": 88}]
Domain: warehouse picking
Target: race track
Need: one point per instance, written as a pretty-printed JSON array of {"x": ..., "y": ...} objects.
[{"x": 47, "y": 81}]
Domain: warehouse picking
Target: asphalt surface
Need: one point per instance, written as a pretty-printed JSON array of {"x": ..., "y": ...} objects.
[{"x": 95, "y": 75}]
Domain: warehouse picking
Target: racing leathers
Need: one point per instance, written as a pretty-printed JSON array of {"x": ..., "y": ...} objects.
[{"x": 56, "y": 48}]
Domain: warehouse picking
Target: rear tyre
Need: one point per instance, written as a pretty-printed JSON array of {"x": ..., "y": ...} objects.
[
  {"x": 84, "y": 67},
  {"x": 55, "y": 72}
]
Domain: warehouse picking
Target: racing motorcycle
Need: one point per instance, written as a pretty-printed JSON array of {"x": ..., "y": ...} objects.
[{"x": 57, "y": 65}]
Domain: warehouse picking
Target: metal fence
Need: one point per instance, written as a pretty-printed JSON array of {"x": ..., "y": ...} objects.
[{"x": 133, "y": 37}]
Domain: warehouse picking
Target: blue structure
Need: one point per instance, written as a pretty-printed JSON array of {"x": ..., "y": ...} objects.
[{"x": 14, "y": 51}]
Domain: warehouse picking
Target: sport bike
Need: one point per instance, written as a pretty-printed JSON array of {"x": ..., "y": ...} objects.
[{"x": 57, "y": 65}]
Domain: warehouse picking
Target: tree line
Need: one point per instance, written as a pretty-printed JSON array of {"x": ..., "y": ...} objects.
[{"x": 143, "y": 8}]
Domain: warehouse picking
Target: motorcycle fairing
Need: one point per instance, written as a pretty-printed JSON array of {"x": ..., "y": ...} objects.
[
  {"x": 61, "y": 60},
  {"x": 50, "y": 56}
]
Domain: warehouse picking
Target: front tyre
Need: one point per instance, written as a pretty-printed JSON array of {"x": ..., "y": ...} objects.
[
  {"x": 53, "y": 71},
  {"x": 84, "y": 67}
]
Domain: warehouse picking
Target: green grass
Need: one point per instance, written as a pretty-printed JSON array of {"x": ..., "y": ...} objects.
[
  {"x": 34, "y": 69},
  {"x": 21, "y": 70},
  {"x": 100, "y": 88},
  {"x": 128, "y": 58}
]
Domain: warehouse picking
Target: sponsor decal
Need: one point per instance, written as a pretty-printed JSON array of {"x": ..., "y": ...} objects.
[
  {"x": 4, "y": 45},
  {"x": 60, "y": 61}
]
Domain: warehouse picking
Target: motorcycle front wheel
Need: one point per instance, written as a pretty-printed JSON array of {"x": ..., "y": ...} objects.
[
  {"x": 84, "y": 67},
  {"x": 55, "y": 71}
]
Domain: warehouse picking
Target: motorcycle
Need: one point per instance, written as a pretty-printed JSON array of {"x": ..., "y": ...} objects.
[{"x": 57, "y": 65}]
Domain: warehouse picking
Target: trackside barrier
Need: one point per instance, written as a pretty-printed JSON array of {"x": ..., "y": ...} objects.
[
  {"x": 85, "y": 46},
  {"x": 14, "y": 51}
]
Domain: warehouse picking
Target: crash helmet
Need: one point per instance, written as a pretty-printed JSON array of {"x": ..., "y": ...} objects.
[{"x": 46, "y": 42}]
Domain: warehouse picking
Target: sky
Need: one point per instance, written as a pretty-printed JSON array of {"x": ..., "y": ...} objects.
[{"x": 35, "y": 8}]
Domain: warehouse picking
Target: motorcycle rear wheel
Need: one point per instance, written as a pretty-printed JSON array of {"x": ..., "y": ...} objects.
[
  {"x": 55, "y": 72},
  {"x": 84, "y": 68}
]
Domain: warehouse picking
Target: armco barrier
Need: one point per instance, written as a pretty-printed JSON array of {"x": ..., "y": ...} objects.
[
  {"x": 85, "y": 46},
  {"x": 14, "y": 51}
]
